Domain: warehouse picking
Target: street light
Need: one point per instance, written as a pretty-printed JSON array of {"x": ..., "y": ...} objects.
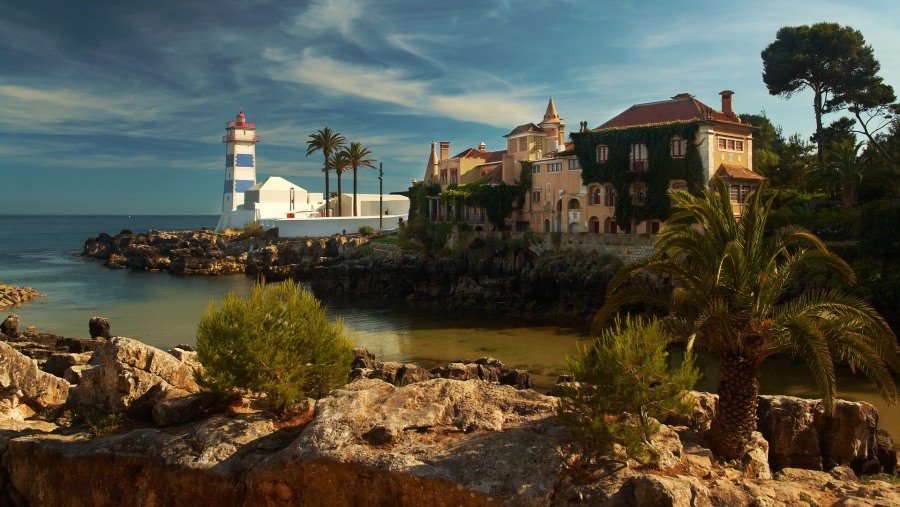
[{"x": 380, "y": 192}]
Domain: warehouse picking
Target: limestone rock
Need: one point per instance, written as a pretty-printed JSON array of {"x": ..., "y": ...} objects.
[
  {"x": 472, "y": 434},
  {"x": 126, "y": 375},
  {"x": 27, "y": 392},
  {"x": 98, "y": 327},
  {"x": 755, "y": 461},
  {"x": 10, "y": 325},
  {"x": 801, "y": 434},
  {"x": 59, "y": 362}
]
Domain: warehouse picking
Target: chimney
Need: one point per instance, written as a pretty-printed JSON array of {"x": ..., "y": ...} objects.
[
  {"x": 445, "y": 150},
  {"x": 726, "y": 102},
  {"x": 482, "y": 146}
]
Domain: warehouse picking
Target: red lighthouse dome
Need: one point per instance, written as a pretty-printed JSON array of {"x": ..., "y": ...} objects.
[{"x": 240, "y": 119}]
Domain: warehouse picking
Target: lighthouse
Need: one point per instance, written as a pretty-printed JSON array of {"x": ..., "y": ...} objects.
[{"x": 240, "y": 161}]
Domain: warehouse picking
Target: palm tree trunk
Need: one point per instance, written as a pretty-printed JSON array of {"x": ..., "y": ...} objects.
[
  {"x": 735, "y": 417},
  {"x": 354, "y": 191},
  {"x": 327, "y": 193},
  {"x": 340, "y": 210}
]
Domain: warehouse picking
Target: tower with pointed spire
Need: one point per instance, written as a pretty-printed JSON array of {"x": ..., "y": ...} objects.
[
  {"x": 240, "y": 161},
  {"x": 431, "y": 170},
  {"x": 555, "y": 128}
]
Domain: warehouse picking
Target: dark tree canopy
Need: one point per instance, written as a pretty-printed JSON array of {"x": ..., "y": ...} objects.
[{"x": 833, "y": 61}]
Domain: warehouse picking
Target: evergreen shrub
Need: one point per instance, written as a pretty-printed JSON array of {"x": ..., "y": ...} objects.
[
  {"x": 367, "y": 230},
  {"x": 621, "y": 386},
  {"x": 278, "y": 341}
]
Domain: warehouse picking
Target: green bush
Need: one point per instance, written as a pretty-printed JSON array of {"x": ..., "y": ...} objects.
[
  {"x": 620, "y": 387},
  {"x": 252, "y": 230},
  {"x": 367, "y": 230},
  {"x": 277, "y": 341}
]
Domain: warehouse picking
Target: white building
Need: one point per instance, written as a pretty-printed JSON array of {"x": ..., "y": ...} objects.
[{"x": 278, "y": 203}]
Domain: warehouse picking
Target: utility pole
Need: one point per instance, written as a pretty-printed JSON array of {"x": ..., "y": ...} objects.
[{"x": 380, "y": 193}]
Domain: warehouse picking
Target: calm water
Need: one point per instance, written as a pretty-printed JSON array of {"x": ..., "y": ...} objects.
[{"x": 164, "y": 310}]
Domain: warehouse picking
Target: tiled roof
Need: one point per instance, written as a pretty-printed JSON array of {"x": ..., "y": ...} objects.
[
  {"x": 737, "y": 172},
  {"x": 682, "y": 107},
  {"x": 524, "y": 129},
  {"x": 487, "y": 156}
]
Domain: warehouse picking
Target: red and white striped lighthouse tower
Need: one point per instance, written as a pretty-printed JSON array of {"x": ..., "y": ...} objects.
[{"x": 240, "y": 160}]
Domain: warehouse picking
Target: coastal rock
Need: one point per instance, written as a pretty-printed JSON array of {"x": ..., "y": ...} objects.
[
  {"x": 439, "y": 442},
  {"x": 10, "y": 325},
  {"x": 59, "y": 362},
  {"x": 26, "y": 392},
  {"x": 802, "y": 434},
  {"x": 98, "y": 327},
  {"x": 12, "y": 295},
  {"x": 125, "y": 375}
]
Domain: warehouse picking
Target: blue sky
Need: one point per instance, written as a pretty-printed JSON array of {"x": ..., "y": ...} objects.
[{"x": 119, "y": 106}]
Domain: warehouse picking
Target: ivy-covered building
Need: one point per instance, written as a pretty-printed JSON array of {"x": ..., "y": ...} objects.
[
  {"x": 629, "y": 162},
  {"x": 452, "y": 183}
]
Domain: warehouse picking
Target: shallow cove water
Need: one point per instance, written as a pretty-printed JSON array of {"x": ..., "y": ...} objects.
[{"x": 164, "y": 310}]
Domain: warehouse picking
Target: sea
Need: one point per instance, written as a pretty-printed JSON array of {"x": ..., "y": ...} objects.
[{"x": 163, "y": 310}]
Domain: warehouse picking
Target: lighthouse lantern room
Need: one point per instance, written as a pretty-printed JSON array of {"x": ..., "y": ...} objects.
[{"x": 240, "y": 161}]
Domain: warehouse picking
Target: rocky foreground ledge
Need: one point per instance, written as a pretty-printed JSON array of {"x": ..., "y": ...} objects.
[{"x": 433, "y": 441}]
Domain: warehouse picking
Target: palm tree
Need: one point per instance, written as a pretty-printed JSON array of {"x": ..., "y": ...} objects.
[
  {"x": 842, "y": 171},
  {"x": 357, "y": 154},
  {"x": 328, "y": 142},
  {"x": 339, "y": 163},
  {"x": 732, "y": 296}
]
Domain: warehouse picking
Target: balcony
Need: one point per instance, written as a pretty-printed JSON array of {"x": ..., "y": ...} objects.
[{"x": 234, "y": 124}]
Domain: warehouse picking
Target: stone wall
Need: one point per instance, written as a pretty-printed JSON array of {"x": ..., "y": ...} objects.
[{"x": 628, "y": 247}]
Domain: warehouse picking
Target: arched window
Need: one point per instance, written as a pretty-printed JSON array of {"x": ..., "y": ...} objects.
[
  {"x": 639, "y": 194},
  {"x": 596, "y": 196}
]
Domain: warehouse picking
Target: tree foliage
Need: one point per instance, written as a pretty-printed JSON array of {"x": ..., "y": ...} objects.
[
  {"x": 327, "y": 141},
  {"x": 734, "y": 296},
  {"x": 357, "y": 156},
  {"x": 621, "y": 386},
  {"x": 277, "y": 341},
  {"x": 834, "y": 62}
]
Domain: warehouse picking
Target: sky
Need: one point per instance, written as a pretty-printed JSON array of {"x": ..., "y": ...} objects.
[{"x": 119, "y": 106}]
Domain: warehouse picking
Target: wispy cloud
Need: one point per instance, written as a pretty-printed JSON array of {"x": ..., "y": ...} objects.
[{"x": 395, "y": 86}]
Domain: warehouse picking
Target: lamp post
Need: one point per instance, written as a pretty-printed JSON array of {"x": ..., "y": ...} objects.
[{"x": 380, "y": 192}]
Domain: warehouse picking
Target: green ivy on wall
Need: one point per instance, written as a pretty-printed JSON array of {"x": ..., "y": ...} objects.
[
  {"x": 418, "y": 197},
  {"x": 662, "y": 167}
]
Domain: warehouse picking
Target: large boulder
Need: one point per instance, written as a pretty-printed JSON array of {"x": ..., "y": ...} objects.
[
  {"x": 438, "y": 442},
  {"x": 802, "y": 434},
  {"x": 125, "y": 375},
  {"x": 26, "y": 392}
]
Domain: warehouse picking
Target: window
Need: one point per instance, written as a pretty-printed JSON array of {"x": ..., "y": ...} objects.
[
  {"x": 523, "y": 144},
  {"x": 639, "y": 157},
  {"x": 444, "y": 177},
  {"x": 654, "y": 227},
  {"x": 453, "y": 177},
  {"x": 602, "y": 152},
  {"x": 535, "y": 169},
  {"x": 679, "y": 147},
  {"x": 536, "y": 196},
  {"x": 640, "y": 194},
  {"x": 554, "y": 167},
  {"x": 595, "y": 196},
  {"x": 610, "y": 195},
  {"x": 731, "y": 144},
  {"x": 573, "y": 164},
  {"x": 735, "y": 191}
]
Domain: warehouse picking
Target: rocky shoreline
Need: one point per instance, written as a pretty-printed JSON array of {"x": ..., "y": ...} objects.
[
  {"x": 511, "y": 280},
  {"x": 130, "y": 426},
  {"x": 206, "y": 252},
  {"x": 13, "y": 295}
]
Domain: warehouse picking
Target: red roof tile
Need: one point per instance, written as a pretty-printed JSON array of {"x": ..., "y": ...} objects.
[
  {"x": 737, "y": 172},
  {"x": 487, "y": 156},
  {"x": 682, "y": 107}
]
